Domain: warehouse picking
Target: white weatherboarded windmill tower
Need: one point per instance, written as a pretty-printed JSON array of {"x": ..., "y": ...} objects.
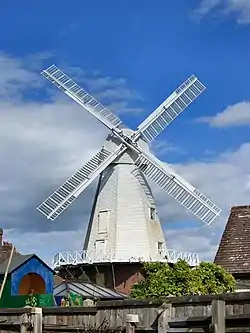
[{"x": 124, "y": 226}]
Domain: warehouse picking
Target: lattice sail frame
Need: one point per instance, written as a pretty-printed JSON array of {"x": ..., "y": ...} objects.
[
  {"x": 56, "y": 203},
  {"x": 73, "y": 90},
  {"x": 184, "y": 193},
  {"x": 171, "y": 108},
  {"x": 150, "y": 128}
]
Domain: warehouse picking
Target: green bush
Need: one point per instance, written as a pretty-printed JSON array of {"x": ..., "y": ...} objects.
[{"x": 161, "y": 280}]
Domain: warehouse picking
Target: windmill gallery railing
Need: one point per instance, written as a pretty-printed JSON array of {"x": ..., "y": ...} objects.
[{"x": 85, "y": 257}]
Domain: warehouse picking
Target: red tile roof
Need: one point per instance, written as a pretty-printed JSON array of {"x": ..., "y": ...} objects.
[{"x": 234, "y": 249}]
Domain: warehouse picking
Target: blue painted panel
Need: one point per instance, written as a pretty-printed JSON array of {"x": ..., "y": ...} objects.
[
  {"x": 58, "y": 300},
  {"x": 32, "y": 266}
]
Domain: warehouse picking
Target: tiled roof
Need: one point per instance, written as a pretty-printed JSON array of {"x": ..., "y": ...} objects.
[
  {"x": 234, "y": 250},
  {"x": 16, "y": 261}
]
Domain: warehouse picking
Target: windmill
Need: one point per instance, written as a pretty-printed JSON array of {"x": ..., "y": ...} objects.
[{"x": 124, "y": 224}]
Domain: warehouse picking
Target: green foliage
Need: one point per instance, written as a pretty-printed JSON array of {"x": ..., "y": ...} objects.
[
  {"x": 83, "y": 278},
  {"x": 31, "y": 300},
  {"x": 213, "y": 279},
  {"x": 161, "y": 280}
]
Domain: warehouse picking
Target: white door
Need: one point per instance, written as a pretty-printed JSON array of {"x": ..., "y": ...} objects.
[{"x": 100, "y": 248}]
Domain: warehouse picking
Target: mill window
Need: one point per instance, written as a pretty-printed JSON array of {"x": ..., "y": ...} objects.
[{"x": 152, "y": 212}]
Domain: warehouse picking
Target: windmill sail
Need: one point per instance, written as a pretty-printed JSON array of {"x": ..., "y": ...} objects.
[
  {"x": 175, "y": 104},
  {"x": 55, "y": 204},
  {"x": 183, "y": 192},
  {"x": 73, "y": 90}
]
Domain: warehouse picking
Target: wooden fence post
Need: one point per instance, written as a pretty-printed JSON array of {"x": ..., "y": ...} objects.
[
  {"x": 37, "y": 320},
  {"x": 6, "y": 271},
  {"x": 218, "y": 316},
  {"x": 164, "y": 317},
  {"x": 131, "y": 321},
  {"x": 24, "y": 323}
]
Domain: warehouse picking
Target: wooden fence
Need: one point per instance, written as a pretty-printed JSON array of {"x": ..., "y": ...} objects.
[{"x": 219, "y": 314}]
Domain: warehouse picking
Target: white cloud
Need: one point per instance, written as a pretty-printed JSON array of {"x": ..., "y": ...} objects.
[
  {"x": 239, "y": 8},
  {"x": 226, "y": 180},
  {"x": 234, "y": 115},
  {"x": 113, "y": 92},
  {"x": 162, "y": 147},
  {"x": 206, "y": 6},
  {"x": 56, "y": 241},
  {"x": 196, "y": 240},
  {"x": 15, "y": 78}
]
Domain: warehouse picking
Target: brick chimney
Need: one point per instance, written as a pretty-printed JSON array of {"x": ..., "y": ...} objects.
[{"x": 5, "y": 248}]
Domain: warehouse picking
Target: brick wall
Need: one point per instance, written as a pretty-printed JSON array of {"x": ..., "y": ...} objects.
[
  {"x": 118, "y": 276},
  {"x": 126, "y": 275}
]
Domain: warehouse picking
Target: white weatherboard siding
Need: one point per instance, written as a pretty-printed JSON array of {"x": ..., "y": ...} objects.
[
  {"x": 106, "y": 201},
  {"x": 135, "y": 237},
  {"x": 123, "y": 201}
]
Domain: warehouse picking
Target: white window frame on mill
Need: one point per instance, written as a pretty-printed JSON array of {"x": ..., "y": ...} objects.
[
  {"x": 152, "y": 213},
  {"x": 159, "y": 247},
  {"x": 103, "y": 221}
]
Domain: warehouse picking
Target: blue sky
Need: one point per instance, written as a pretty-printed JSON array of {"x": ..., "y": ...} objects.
[
  {"x": 154, "y": 47},
  {"x": 141, "y": 50}
]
